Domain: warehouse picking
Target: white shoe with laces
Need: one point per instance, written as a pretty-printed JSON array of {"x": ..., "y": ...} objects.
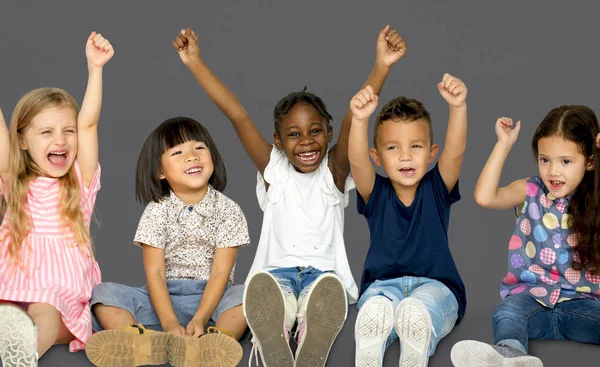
[
  {"x": 373, "y": 326},
  {"x": 18, "y": 337}
]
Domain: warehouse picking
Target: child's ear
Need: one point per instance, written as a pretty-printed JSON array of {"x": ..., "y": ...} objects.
[
  {"x": 22, "y": 143},
  {"x": 375, "y": 156},
  {"x": 277, "y": 140},
  {"x": 433, "y": 152},
  {"x": 329, "y": 132},
  {"x": 591, "y": 164}
]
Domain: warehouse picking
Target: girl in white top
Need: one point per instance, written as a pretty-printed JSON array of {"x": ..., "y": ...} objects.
[{"x": 300, "y": 270}]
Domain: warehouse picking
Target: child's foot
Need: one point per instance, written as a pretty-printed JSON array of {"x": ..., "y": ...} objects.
[
  {"x": 217, "y": 348},
  {"x": 132, "y": 346},
  {"x": 18, "y": 337},
  {"x": 326, "y": 311},
  {"x": 470, "y": 353},
  {"x": 264, "y": 309},
  {"x": 413, "y": 326},
  {"x": 374, "y": 324}
]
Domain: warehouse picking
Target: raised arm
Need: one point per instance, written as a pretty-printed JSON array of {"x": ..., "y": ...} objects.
[
  {"x": 390, "y": 48},
  {"x": 487, "y": 193},
  {"x": 154, "y": 266},
  {"x": 362, "y": 106},
  {"x": 454, "y": 91},
  {"x": 259, "y": 149},
  {"x": 98, "y": 51},
  {"x": 4, "y": 149}
]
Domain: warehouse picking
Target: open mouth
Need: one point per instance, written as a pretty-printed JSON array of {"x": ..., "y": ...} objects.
[
  {"x": 58, "y": 159},
  {"x": 556, "y": 185},
  {"x": 309, "y": 158},
  {"x": 407, "y": 171},
  {"x": 193, "y": 171}
]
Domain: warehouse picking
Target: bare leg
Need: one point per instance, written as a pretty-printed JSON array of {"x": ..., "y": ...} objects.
[
  {"x": 51, "y": 328},
  {"x": 113, "y": 317},
  {"x": 233, "y": 320}
]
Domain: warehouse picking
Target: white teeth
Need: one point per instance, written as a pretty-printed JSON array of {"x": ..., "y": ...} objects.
[
  {"x": 193, "y": 170},
  {"x": 58, "y": 153},
  {"x": 307, "y": 154}
]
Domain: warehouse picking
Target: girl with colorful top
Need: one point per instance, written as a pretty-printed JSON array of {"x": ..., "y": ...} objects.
[
  {"x": 50, "y": 177},
  {"x": 300, "y": 271},
  {"x": 190, "y": 233},
  {"x": 551, "y": 290}
]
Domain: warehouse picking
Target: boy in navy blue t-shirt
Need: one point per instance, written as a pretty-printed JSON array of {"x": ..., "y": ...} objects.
[{"x": 410, "y": 287}]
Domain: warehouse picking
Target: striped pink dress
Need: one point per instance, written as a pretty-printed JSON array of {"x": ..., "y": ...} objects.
[{"x": 56, "y": 272}]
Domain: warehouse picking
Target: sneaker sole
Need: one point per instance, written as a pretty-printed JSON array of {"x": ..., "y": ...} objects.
[
  {"x": 374, "y": 324},
  {"x": 326, "y": 312},
  {"x": 264, "y": 309},
  {"x": 413, "y": 326},
  {"x": 470, "y": 353},
  {"x": 118, "y": 348},
  {"x": 214, "y": 350},
  {"x": 18, "y": 337}
]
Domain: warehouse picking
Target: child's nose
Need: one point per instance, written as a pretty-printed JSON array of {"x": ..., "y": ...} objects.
[{"x": 191, "y": 158}]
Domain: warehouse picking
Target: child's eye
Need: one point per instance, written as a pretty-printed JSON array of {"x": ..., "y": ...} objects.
[
  {"x": 293, "y": 135},
  {"x": 46, "y": 132},
  {"x": 315, "y": 131},
  {"x": 392, "y": 148},
  {"x": 176, "y": 152},
  {"x": 70, "y": 131},
  {"x": 200, "y": 147},
  {"x": 566, "y": 161},
  {"x": 544, "y": 160},
  {"x": 417, "y": 146}
]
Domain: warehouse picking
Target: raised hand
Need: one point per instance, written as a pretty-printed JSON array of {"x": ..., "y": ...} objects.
[
  {"x": 363, "y": 104},
  {"x": 186, "y": 44},
  {"x": 453, "y": 90},
  {"x": 98, "y": 50},
  {"x": 390, "y": 46},
  {"x": 506, "y": 134}
]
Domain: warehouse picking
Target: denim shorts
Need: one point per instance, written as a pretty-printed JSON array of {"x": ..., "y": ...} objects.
[{"x": 185, "y": 297}]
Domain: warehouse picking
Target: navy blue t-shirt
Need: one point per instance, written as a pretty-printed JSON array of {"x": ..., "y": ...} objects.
[{"x": 413, "y": 240}]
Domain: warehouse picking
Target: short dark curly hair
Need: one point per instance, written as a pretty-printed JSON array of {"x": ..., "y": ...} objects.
[
  {"x": 286, "y": 103},
  {"x": 405, "y": 109}
]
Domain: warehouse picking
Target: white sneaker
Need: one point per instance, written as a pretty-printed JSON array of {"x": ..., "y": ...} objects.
[
  {"x": 264, "y": 309},
  {"x": 18, "y": 337},
  {"x": 413, "y": 326},
  {"x": 326, "y": 310},
  {"x": 374, "y": 324},
  {"x": 470, "y": 353}
]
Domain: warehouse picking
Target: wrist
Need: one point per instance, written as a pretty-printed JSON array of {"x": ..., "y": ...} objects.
[
  {"x": 169, "y": 323},
  {"x": 460, "y": 107},
  {"x": 504, "y": 146},
  {"x": 193, "y": 61},
  {"x": 381, "y": 65},
  {"x": 94, "y": 69}
]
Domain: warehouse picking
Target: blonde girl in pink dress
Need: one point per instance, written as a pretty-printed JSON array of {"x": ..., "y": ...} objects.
[{"x": 50, "y": 175}]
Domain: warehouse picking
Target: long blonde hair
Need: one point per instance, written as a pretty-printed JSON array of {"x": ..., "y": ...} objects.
[{"x": 22, "y": 170}]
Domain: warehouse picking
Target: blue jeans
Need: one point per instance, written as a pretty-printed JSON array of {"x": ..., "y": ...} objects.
[
  {"x": 296, "y": 280},
  {"x": 520, "y": 318},
  {"x": 185, "y": 298},
  {"x": 437, "y": 298}
]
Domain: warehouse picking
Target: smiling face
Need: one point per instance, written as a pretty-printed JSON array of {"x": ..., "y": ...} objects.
[
  {"x": 304, "y": 136},
  {"x": 187, "y": 167},
  {"x": 404, "y": 150},
  {"x": 51, "y": 140},
  {"x": 562, "y": 165}
]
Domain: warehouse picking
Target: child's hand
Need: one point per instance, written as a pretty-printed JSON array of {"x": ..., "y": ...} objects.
[
  {"x": 363, "y": 103},
  {"x": 195, "y": 327},
  {"x": 390, "y": 47},
  {"x": 453, "y": 90},
  {"x": 98, "y": 50},
  {"x": 506, "y": 135},
  {"x": 186, "y": 44},
  {"x": 175, "y": 329}
]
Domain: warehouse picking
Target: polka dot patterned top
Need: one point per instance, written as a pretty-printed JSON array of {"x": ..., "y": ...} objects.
[{"x": 541, "y": 252}]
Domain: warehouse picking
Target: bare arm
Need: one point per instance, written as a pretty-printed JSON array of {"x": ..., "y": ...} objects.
[
  {"x": 4, "y": 149},
  {"x": 154, "y": 266},
  {"x": 362, "y": 106},
  {"x": 390, "y": 48},
  {"x": 487, "y": 193},
  {"x": 98, "y": 52},
  {"x": 215, "y": 287},
  {"x": 253, "y": 142},
  {"x": 454, "y": 91}
]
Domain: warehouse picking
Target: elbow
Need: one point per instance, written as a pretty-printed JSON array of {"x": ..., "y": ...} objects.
[{"x": 480, "y": 199}]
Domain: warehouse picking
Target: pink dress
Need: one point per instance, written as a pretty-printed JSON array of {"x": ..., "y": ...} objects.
[{"x": 56, "y": 272}]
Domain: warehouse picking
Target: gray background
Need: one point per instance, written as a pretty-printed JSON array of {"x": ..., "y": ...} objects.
[{"x": 518, "y": 59}]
